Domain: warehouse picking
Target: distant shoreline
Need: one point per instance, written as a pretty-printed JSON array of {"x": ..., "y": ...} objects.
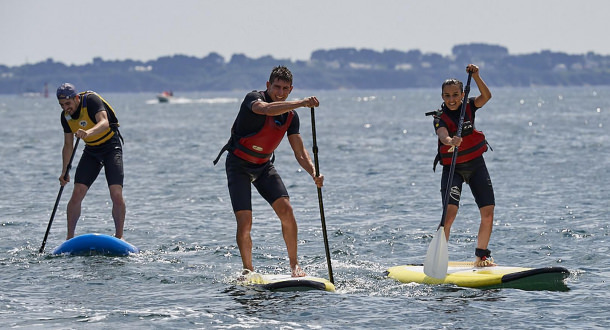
[{"x": 336, "y": 69}]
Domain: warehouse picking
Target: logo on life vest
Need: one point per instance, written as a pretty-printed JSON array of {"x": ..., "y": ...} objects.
[
  {"x": 257, "y": 148},
  {"x": 83, "y": 123}
]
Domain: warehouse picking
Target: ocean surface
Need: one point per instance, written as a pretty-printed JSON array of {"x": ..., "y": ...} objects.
[{"x": 550, "y": 168}]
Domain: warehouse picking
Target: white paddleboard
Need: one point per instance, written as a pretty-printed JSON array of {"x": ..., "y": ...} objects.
[{"x": 282, "y": 282}]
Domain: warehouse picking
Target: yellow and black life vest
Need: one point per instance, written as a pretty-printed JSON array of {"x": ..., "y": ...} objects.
[{"x": 85, "y": 122}]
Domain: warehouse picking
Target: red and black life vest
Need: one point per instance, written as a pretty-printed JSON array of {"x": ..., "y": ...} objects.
[
  {"x": 258, "y": 148},
  {"x": 473, "y": 143}
]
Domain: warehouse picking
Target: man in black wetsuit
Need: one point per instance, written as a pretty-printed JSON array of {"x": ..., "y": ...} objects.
[
  {"x": 89, "y": 117},
  {"x": 263, "y": 119}
]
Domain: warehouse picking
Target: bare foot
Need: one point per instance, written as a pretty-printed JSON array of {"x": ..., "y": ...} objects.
[
  {"x": 484, "y": 262},
  {"x": 298, "y": 272},
  {"x": 245, "y": 273}
]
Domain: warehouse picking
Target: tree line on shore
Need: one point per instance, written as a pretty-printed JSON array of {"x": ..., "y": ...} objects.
[{"x": 342, "y": 68}]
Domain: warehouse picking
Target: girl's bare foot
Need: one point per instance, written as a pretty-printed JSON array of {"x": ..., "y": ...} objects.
[{"x": 484, "y": 262}]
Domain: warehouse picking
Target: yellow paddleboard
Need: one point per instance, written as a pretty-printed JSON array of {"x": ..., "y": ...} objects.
[{"x": 466, "y": 275}]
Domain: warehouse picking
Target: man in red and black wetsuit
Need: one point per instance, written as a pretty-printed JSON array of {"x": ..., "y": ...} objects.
[
  {"x": 470, "y": 166},
  {"x": 263, "y": 119}
]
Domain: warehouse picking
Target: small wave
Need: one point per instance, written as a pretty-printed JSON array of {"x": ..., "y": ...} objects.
[
  {"x": 218, "y": 100},
  {"x": 183, "y": 100}
]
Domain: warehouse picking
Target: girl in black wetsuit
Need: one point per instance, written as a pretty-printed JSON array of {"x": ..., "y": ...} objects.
[{"x": 470, "y": 166}]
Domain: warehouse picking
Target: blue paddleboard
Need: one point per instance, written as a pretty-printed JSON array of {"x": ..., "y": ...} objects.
[{"x": 96, "y": 244}]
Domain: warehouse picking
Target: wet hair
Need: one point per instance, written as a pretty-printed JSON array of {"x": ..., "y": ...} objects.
[
  {"x": 282, "y": 73},
  {"x": 452, "y": 81}
]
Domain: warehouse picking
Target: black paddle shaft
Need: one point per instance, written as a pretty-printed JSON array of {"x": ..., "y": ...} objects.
[
  {"x": 61, "y": 189},
  {"x": 455, "y": 152},
  {"x": 317, "y": 169}
]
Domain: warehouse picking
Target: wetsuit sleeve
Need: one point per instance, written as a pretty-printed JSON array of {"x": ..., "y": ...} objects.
[
  {"x": 64, "y": 123},
  {"x": 294, "y": 125},
  {"x": 438, "y": 123},
  {"x": 251, "y": 98},
  {"x": 473, "y": 108},
  {"x": 94, "y": 105},
  {"x": 248, "y": 122}
]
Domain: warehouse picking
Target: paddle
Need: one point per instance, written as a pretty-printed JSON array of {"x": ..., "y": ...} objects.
[
  {"x": 437, "y": 257},
  {"x": 61, "y": 189},
  {"x": 317, "y": 168}
]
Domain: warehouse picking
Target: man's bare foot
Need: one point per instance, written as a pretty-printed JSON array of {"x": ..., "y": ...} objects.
[
  {"x": 245, "y": 273},
  {"x": 298, "y": 272},
  {"x": 484, "y": 262}
]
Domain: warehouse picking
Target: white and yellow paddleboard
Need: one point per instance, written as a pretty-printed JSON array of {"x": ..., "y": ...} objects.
[
  {"x": 282, "y": 282},
  {"x": 466, "y": 275}
]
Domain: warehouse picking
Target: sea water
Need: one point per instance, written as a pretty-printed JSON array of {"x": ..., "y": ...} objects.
[{"x": 549, "y": 167}]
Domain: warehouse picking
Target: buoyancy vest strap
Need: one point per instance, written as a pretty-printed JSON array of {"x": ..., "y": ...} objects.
[
  {"x": 436, "y": 160},
  {"x": 466, "y": 151},
  {"x": 226, "y": 147},
  {"x": 251, "y": 152},
  {"x": 102, "y": 137},
  {"x": 229, "y": 146}
]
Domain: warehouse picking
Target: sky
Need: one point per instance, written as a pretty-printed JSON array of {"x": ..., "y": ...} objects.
[{"x": 76, "y": 31}]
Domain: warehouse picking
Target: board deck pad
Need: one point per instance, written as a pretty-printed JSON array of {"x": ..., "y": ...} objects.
[
  {"x": 283, "y": 282},
  {"x": 464, "y": 274},
  {"x": 96, "y": 244}
]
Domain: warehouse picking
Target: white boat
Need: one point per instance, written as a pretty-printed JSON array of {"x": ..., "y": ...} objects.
[{"x": 165, "y": 96}]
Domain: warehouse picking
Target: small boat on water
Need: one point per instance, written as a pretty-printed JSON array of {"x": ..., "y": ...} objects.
[{"x": 165, "y": 96}]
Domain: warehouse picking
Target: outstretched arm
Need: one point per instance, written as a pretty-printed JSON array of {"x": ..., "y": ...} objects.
[{"x": 280, "y": 107}]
